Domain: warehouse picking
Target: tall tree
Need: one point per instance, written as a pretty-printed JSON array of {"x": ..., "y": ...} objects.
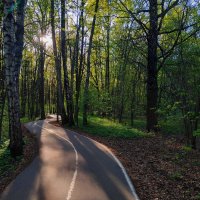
[
  {"x": 42, "y": 18},
  {"x": 152, "y": 33},
  {"x": 13, "y": 47},
  {"x": 2, "y": 73},
  {"x": 86, "y": 89},
  {"x": 152, "y": 83},
  {"x": 61, "y": 108},
  {"x": 41, "y": 79},
  {"x": 79, "y": 68},
  {"x": 68, "y": 92},
  {"x": 108, "y": 24}
]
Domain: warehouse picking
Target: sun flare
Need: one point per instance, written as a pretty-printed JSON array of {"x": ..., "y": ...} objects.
[{"x": 47, "y": 40}]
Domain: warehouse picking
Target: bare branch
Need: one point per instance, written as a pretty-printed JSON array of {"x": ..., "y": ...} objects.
[
  {"x": 162, "y": 15},
  {"x": 143, "y": 26}
]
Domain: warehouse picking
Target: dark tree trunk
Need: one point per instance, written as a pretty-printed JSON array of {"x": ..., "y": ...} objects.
[
  {"x": 13, "y": 47},
  {"x": 60, "y": 103},
  {"x": 41, "y": 81},
  {"x": 34, "y": 95},
  {"x": 24, "y": 90},
  {"x": 86, "y": 90},
  {"x": 133, "y": 102},
  {"x": 68, "y": 92},
  {"x": 79, "y": 70},
  {"x": 74, "y": 63},
  {"x": 2, "y": 79},
  {"x": 152, "y": 85},
  {"x": 107, "y": 74}
]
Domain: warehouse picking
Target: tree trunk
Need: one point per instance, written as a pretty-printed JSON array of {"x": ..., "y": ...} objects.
[
  {"x": 133, "y": 102},
  {"x": 41, "y": 81},
  {"x": 152, "y": 85},
  {"x": 107, "y": 74},
  {"x": 79, "y": 70},
  {"x": 2, "y": 79},
  {"x": 68, "y": 92},
  {"x": 12, "y": 53},
  {"x": 61, "y": 108},
  {"x": 24, "y": 89},
  {"x": 86, "y": 90}
]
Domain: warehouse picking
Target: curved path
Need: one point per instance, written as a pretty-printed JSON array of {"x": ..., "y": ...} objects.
[{"x": 70, "y": 167}]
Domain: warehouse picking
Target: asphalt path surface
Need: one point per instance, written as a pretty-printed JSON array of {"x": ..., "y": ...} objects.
[{"x": 70, "y": 167}]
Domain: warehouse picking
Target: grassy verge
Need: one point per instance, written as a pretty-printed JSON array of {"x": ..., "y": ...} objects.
[
  {"x": 7, "y": 163},
  {"x": 172, "y": 126},
  {"x": 109, "y": 128},
  {"x": 5, "y": 158}
]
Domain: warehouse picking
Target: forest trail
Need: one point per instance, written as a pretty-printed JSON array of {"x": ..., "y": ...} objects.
[{"x": 70, "y": 167}]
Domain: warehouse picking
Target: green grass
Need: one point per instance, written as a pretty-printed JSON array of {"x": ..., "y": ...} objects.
[
  {"x": 171, "y": 126},
  {"x": 187, "y": 149},
  {"x": 139, "y": 123},
  {"x": 197, "y": 197},
  {"x": 5, "y": 158},
  {"x": 108, "y": 128},
  {"x": 6, "y": 161},
  {"x": 5, "y": 127},
  {"x": 176, "y": 176},
  {"x": 24, "y": 120}
]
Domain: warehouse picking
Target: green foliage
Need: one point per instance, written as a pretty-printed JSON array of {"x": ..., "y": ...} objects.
[
  {"x": 172, "y": 125},
  {"x": 139, "y": 123},
  {"x": 176, "y": 176},
  {"x": 24, "y": 120},
  {"x": 196, "y": 133},
  {"x": 187, "y": 148},
  {"x": 6, "y": 161},
  {"x": 197, "y": 197},
  {"x": 196, "y": 163},
  {"x": 5, "y": 126}
]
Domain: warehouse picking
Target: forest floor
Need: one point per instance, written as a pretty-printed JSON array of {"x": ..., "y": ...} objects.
[
  {"x": 9, "y": 167},
  {"x": 160, "y": 168}
]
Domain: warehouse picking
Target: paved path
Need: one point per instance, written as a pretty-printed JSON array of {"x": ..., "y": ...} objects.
[{"x": 70, "y": 167}]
